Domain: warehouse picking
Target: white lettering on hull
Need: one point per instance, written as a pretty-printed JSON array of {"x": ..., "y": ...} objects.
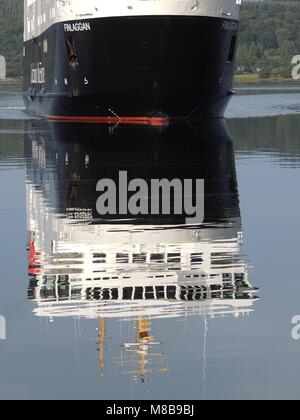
[
  {"x": 38, "y": 75},
  {"x": 230, "y": 26},
  {"x": 77, "y": 27}
]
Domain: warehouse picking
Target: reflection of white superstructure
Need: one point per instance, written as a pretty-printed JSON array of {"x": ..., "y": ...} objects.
[
  {"x": 94, "y": 270},
  {"x": 135, "y": 273}
]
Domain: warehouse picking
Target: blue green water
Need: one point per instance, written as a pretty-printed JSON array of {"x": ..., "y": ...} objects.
[{"x": 70, "y": 337}]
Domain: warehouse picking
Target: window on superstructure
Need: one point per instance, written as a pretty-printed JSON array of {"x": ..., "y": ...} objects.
[
  {"x": 139, "y": 258},
  {"x": 196, "y": 258},
  {"x": 174, "y": 258},
  {"x": 45, "y": 46},
  {"x": 138, "y": 293},
  {"x": 122, "y": 258},
  {"x": 160, "y": 292},
  {"x": 99, "y": 258},
  {"x": 149, "y": 295},
  {"x": 157, "y": 258},
  {"x": 171, "y": 292},
  {"x": 128, "y": 293},
  {"x": 240, "y": 279}
]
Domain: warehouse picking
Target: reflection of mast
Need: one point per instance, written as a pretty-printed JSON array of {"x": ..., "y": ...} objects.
[
  {"x": 204, "y": 355},
  {"x": 75, "y": 175},
  {"x": 137, "y": 358},
  {"x": 143, "y": 338},
  {"x": 101, "y": 345}
]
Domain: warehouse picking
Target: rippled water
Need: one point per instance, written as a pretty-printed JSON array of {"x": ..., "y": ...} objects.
[{"x": 150, "y": 308}]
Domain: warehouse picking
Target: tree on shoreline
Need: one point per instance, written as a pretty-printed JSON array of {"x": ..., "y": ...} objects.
[{"x": 269, "y": 37}]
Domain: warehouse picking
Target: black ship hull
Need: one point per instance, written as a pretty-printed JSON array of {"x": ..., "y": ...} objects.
[{"x": 132, "y": 69}]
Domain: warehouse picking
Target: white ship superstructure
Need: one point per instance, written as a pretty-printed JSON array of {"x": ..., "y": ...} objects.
[{"x": 41, "y": 14}]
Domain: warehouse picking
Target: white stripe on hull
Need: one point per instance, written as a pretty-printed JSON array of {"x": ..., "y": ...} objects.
[{"x": 41, "y": 14}]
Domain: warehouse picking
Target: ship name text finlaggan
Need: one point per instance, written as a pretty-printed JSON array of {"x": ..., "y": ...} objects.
[{"x": 77, "y": 27}]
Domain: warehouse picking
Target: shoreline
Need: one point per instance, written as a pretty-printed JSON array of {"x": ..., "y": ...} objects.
[
  {"x": 255, "y": 79},
  {"x": 239, "y": 79},
  {"x": 10, "y": 81}
]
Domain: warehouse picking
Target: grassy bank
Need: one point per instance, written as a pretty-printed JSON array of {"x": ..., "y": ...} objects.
[{"x": 11, "y": 81}]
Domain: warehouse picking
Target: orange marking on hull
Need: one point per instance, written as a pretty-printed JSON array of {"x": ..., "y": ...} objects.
[{"x": 152, "y": 121}]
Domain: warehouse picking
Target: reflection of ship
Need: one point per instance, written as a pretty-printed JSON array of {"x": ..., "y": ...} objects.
[{"x": 85, "y": 267}]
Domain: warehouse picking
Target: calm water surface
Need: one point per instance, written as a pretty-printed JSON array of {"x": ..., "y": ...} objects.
[{"x": 151, "y": 308}]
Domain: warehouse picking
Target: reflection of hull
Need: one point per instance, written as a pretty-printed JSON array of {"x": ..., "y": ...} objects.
[
  {"x": 137, "y": 69},
  {"x": 204, "y": 152},
  {"x": 157, "y": 267}
]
